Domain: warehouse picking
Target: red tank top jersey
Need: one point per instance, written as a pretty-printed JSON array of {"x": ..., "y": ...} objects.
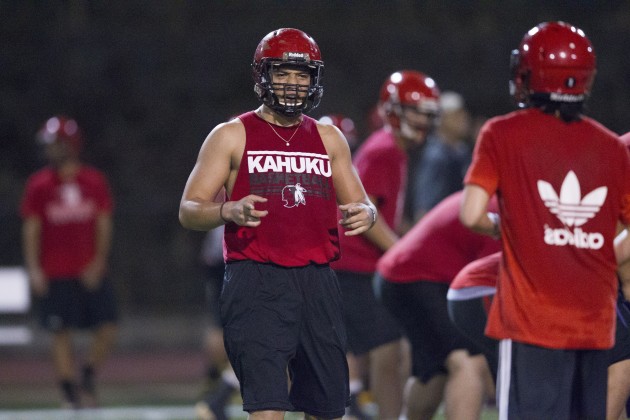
[
  {"x": 382, "y": 167},
  {"x": 562, "y": 189},
  {"x": 68, "y": 212},
  {"x": 437, "y": 247},
  {"x": 301, "y": 227}
]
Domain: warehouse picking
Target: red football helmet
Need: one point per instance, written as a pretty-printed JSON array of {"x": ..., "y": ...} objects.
[
  {"x": 61, "y": 129},
  {"x": 556, "y": 62},
  {"x": 343, "y": 123},
  {"x": 292, "y": 47},
  {"x": 408, "y": 89}
]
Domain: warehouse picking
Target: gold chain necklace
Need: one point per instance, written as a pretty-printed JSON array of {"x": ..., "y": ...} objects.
[{"x": 282, "y": 138}]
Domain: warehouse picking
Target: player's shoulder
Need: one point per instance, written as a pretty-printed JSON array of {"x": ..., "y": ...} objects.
[
  {"x": 331, "y": 135},
  {"x": 228, "y": 131},
  {"x": 41, "y": 178}
]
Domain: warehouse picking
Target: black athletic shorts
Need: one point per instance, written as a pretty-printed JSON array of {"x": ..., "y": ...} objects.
[
  {"x": 368, "y": 323},
  {"x": 286, "y": 324},
  {"x": 470, "y": 317},
  {"x": 541, "y": 383},
  {"x": 68, "y": 304},
  {"x": 421, "y": 309},
  {"x": 621, "y": 350}
]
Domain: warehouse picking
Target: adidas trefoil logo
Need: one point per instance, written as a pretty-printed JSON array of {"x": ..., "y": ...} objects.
[{"x": 573, "y": 211}]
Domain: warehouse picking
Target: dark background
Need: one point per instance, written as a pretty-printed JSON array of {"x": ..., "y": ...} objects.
[{"x": 147, "y": 81}]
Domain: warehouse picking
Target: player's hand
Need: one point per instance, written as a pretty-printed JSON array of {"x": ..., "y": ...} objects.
[
  {"x": 39, "y": 282},
  {"x": 357, "y": 218},
  {"x": 243, "y": 212},
  {"x": 93, "y": 274}
]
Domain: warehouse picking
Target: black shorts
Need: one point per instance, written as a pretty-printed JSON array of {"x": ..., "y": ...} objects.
[
  {"x": 541, "y": 383},
  {"x": 469, "y": 317},
  {"x": 281, "y": 321},
  {"x": 621, "y": 349},
  {"x": 69, "y": 305},
  {"x": 368, "y": 323},
  {"x": 421, "y": 309}
]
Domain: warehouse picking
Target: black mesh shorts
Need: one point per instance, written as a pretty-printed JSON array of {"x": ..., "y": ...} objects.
[
  {"x": 285, "y": 326},
  {"x": 68, "y": 304},
  {"x": 368, "y": 322},
  {"x": 421, "y": 309}
]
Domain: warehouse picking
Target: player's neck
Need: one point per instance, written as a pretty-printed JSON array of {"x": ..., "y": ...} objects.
[
  {"x": 276, "y": 118},
  {"x": 68, "y": 169}
]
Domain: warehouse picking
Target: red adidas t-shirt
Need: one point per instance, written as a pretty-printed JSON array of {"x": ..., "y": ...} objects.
[
  {"x": 68, "y": 212},
  {"x": 382, "y": 167},
  {"x": 562, "y": 188},
  {"x": 301, "y": 227},
  {"x": 437, "y": 247}
]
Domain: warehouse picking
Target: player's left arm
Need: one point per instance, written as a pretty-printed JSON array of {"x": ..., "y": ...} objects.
[
  {"x": 359, "y": 212},
  {"x": 95, "y": 270},
  {"x": 474, "y": 211}
]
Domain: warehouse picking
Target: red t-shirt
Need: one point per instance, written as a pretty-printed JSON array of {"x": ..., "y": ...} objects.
[
  {"x": 382, "y": 167},
  {"x": 301, "y": 227},
  {"x": 562, "y": 188},
  {"x": 68, "y": 211},
  {"x": 437, "y": 247},
  {"x": 479, "y": 278}
]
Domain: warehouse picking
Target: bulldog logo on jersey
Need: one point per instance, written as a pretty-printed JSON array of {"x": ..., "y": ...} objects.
[
  {"x": 293, "y": 195},
  {"x": 573, "y": 210}
]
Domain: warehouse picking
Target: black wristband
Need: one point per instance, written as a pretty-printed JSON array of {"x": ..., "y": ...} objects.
[{"x": 221, "y": 213}]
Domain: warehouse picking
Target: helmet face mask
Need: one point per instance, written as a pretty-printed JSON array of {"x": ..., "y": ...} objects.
[
  {"x": 555, "y": 63},
  {"x": 289, "y": 49}
]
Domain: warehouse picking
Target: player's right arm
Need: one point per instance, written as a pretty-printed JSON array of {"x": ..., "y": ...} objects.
[{"x": 216, "y": 168}]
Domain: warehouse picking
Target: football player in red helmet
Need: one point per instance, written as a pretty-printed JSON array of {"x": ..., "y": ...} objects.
[
  {"x": 409, "y": 104},
  {"x": 562, "y": 183},
  {"x": 553, "y": 68},
  {"x": 62, "y": 139},
  {"x": 283, "y": 49},
  {"x": 67, "y": 227},
  {"x": 292, "y": 324}
]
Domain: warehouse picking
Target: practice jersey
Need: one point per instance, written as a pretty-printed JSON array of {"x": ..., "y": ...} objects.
[
  {"x": 382, "y": 167},
  {"x": 477, "y": 279},
  {"x": 562, "y": 188},
  {"x": 301, "y": 227},
  {"x": 68, "y": 211},
  {"x": 437, "y": 247}
]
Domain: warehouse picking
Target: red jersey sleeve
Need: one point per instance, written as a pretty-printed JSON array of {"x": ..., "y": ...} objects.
[
  {"x": 483, "y": 169},
  {"x": 32, "y": 203}
]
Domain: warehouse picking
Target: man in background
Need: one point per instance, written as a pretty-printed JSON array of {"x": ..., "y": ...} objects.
[{"x": 67, "y": 232}]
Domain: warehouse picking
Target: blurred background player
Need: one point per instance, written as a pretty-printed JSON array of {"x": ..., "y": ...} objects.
[
  {"x": 446, "y": 156},
  {"x": 347, "y": 127},
  {"x": 413, "y": 277},
  {"x": 221, "y": 380},
  {"x": 409, "y": 104},
  {"x": 563, "y": 187},
  {"x": 67, "y": 232}
]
